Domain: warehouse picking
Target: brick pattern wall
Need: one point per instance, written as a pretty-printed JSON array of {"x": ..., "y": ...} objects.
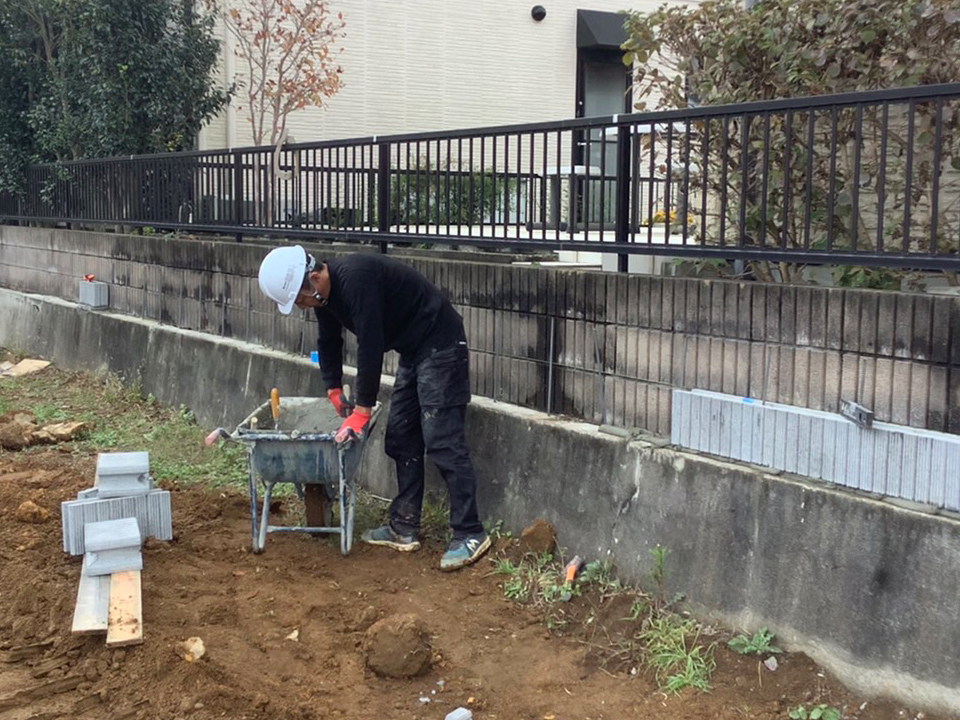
[{"x": 620, "y": 343}]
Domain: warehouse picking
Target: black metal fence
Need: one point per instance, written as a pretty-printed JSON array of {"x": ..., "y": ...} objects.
[{"x": 865, "y": 179}]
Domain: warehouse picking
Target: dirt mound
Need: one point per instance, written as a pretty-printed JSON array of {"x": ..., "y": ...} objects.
[{"x": 398, "y": 647}]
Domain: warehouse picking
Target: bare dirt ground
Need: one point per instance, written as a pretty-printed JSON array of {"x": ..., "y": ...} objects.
[{"x": 488, "y": 651}]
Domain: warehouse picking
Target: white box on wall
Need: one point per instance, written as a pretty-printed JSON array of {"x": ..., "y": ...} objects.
[{"x": 94, "y": 294}]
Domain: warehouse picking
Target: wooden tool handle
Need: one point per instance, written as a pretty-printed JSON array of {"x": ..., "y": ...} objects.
[{"x": 275, "y": 404}]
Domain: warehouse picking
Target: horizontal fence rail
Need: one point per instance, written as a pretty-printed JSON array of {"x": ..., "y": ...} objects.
[{"x": 863, "y": 178}]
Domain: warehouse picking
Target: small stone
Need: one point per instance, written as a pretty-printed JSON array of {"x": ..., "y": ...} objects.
[
  {"x": 192, "y": 649},
  {"x": 30, "y": 512}
]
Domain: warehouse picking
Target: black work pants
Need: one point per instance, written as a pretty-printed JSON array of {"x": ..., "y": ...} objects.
[{"x": 427, "y": 414}]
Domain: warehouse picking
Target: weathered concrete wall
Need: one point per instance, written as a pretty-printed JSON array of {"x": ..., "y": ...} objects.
[
  {"x": 620, "y": 343},
  {"x": 865, "y": 587}
]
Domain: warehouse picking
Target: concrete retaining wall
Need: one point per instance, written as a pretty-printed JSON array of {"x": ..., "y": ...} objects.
[
  {"x": 867, "y": 588},
  {"x": 604, "y": 347}
]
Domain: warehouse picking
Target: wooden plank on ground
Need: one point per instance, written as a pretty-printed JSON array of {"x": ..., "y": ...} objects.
[
  {"x": 27, "y": 366},
  {"x": 125, "y": 616},
  {"x": 93, "y": 600}
]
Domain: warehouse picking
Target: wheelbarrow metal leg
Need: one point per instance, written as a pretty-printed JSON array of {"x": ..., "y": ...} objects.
[
  {"x": 253, "y": 504},
  {"x": 262, "y": 540},
  {"x": 347, "y": 504}
]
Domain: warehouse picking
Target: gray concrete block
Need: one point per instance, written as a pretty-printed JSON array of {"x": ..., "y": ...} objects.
[
  {"x": 919, "y": 394},
  {"x": 666, "y": 304},
  {"x": 774, "y": 296},
  {"x": 758, "y": 313},
  {"x": 886, "y": 324},
  {"x": 938, "y": 405},
  {"x": 903, "y": 325},
  {"x": 120, "y": 474},
  {"x": 94, "y": 294},
  {"x": 801, "y": 377},
  {"x": 922, "y": 328},
  {"x": 851, "y": 321},
  {"x": 111, "y": 534},
  {"x": 900, "y": 410},
  {"x": 803, "y": 315},
  {"x": 744, "y": 305},
  {"x": 151, "y": 510},
  {"x": 107, "y": 562},
  {"x": 869, "y": 313},
  {"x": 833, "y": 338}
]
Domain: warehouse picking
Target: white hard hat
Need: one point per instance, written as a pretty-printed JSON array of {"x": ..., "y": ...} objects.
[{"x": 281, "y": 275}]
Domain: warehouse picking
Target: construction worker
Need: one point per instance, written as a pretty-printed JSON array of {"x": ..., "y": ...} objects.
[{"x": 389, "y": 306}]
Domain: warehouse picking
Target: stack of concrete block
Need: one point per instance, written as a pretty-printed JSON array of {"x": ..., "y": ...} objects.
[
  {"x": 112, "y": 546},
  {"x": 107, "y": 525},
  {"x": 122, "y": 489},
  {"x": 121, "y": 474}
]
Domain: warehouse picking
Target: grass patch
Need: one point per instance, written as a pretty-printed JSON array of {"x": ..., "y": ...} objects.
[
  {"x": 121, "y": 420},
  {"x": 44, "y": 413},
  {"x": 761, "y": 643},
  {"x": 623, "y": 626},
  {"x": 672, "y": 649}
]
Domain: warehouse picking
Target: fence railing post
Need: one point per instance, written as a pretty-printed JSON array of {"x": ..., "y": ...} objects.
[
  {"x": 383, "y": 192},
  {"x": 622, "y": 207},
  {"x": 238, "y": 194}
]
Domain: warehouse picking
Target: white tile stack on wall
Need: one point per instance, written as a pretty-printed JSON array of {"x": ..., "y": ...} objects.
[
  {"x": 890, "y": 460},
  {"x": 621, "y": 343}
]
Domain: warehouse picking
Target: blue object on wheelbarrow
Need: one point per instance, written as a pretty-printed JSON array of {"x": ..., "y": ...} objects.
[{"x": 301, "y": 449}]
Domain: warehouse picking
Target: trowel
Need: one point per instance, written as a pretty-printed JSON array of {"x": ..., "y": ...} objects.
[{"x": 275, "y": 407}]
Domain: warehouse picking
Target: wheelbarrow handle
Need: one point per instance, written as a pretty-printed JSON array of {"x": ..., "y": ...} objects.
[{"x": 217, "y": 434}]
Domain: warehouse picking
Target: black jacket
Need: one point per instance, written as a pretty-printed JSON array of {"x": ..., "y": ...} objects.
[{"x": 388, "y": 306}]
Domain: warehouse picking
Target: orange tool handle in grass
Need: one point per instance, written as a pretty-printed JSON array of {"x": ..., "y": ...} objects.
[{"x": 573, "y": 567}]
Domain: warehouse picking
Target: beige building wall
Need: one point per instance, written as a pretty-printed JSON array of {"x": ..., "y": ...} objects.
[{"x": 412, "y": 66}]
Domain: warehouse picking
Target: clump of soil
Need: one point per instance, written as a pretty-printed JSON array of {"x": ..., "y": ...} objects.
[
  {"x": 538, "y": 538},
  {"x": 19, "y": 430},
  {"x": 398, "y": 647},
  {"x": 30, "y": 512}
]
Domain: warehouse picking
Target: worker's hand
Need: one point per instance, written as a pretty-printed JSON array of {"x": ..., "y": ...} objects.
[
  {"x": 339, "y": 401},
  {"x": 353, "y": 426}
]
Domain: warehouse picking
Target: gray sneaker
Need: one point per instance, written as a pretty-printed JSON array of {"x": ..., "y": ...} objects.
[
  {"x": 386, "y": 536},
  {"x": 465, "y": 550}
]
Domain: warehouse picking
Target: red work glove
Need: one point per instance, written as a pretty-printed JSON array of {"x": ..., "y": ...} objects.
[
  {"x": 339, "y": 402},
  {"x": 355, "y": 425}
]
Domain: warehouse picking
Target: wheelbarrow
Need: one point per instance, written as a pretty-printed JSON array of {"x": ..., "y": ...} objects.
[{"x": 298, "y": 447}]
